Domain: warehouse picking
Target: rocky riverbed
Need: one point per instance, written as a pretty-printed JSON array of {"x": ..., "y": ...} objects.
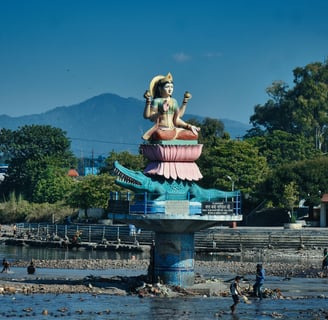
[
  {"x": 305, "y": 264},
  {"x": 310, "y": 267}
]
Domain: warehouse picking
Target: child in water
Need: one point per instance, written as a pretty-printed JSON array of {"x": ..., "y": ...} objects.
[
  {"x": 6, "y": 265},
  {"x": 235, "y": 293}
]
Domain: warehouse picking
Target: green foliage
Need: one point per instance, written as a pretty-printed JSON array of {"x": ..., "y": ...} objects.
[
  {"x": 279, "y": 147},
  {"x": 92, "y": 192},
  {"x": 302, "y": 110},
  {"x": 212, "y": 130},
  {"x": 309, "y": 177},
  {"x": 290, "y": 131},
  {"x": 13, "y": 210},
  {"x": 275, "y": 114},
  {"x": 237, "y": 159},
  {"x": 290, "y": 196},
  {"x": 31, "y": 151},
  {"x": 52, "y": 186},
  {"x": 18, "y": 210},
  {"x": 46, "y": 212},
  {"x": 133, "y": 162}
]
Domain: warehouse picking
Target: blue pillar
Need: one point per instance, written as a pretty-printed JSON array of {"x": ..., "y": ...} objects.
[{"x": 174, "y": 258}]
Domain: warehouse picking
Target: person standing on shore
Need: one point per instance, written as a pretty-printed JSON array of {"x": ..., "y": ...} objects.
[
  {"x": 259, "y": 281},
  {"x": 14, "y": 230},
  {"x": 235, "y": 293}
]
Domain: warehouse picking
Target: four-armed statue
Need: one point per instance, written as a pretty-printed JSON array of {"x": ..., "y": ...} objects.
[
  {"x": 172, "y": 144},
  {"x": 164, "y": 111},
  {"x": 166, "y": 198}
]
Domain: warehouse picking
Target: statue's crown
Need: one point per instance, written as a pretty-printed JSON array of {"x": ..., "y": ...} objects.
[{"x": 167, "y": 78}]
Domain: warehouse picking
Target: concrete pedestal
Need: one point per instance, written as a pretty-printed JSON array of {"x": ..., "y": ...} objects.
[{"x": 174, "y": 258}]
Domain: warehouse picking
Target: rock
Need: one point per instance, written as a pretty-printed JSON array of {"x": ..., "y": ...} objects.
[{"x": 10, "y": 290}]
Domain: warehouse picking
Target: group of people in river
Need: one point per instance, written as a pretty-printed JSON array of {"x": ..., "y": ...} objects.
[
  {"x": 6, "y": 266},
  {"x": 257, "y": 287}
]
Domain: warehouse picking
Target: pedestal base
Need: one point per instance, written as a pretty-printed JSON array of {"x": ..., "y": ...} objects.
[{"x": 174, "y": 258}]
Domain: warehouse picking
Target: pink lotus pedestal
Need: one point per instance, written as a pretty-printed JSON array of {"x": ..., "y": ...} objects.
[{"x": 173, "y": 161}]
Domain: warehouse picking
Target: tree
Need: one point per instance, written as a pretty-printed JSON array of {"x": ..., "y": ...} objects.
[
  {"x": 279, "y": 147},
  {"x": 275, "y": 114},
  {"x": 239, "y": 160},
  {"x": 127, "y": 159},
  {"x": 301, "y": 110},
  {"x": 290, "y": 196},
  {"x": 310, "y": 178},
  {"x": 211, "y": 131},
  {"x": 92, "y": 192},
  {"x": 31, "y": 150},
  {"x": 311, "y": 98},
  {"x": 52, "y": 186}
]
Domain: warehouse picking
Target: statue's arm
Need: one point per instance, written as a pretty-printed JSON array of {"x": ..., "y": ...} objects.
[
  {"x": 183, "y": 107},
  {"x": 178, "y": 122},
  {"x": 151, "y": 108}
]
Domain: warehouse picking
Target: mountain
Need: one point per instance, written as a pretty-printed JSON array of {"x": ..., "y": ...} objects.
[{"x": 103, "y": 123}]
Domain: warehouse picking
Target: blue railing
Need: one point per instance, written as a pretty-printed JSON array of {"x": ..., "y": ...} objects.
[{"x": 147, "y": 203}]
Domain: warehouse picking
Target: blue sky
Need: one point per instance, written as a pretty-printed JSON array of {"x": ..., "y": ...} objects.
[{"x": 226, "y": 53}]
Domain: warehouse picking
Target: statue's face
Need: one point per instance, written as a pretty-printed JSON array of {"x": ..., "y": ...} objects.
[{"x": 167, "y": 90}]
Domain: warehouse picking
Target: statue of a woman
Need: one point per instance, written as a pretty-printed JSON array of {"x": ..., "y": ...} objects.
[{"x": 165, "y": 112}]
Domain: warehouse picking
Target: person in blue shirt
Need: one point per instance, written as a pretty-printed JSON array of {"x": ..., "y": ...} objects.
[{"x": 259, "y": 281}]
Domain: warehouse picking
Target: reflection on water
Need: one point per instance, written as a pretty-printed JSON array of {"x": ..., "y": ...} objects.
[
  {"x": 259, "y": 256},
  {"x": 27, "y": 253}
]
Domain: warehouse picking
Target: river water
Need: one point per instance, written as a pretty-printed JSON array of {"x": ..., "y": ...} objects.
[{"x": 90, "y": 307}]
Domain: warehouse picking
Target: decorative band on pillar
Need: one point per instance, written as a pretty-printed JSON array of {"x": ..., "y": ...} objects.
[{"x": 174, "y": 258}]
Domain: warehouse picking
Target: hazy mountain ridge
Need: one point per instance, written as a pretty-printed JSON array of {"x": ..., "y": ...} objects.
[{"x": 104, "y": 123}]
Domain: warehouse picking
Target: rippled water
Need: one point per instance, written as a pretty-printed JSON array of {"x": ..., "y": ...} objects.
[{"x": 82, "y": 306}]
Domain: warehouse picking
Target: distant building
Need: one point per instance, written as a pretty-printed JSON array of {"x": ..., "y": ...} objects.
[{"x": 91, "y": 170}]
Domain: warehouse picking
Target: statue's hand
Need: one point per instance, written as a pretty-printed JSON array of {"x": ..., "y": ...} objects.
[
  {"x": 195, "y": 130},
  {"x": 147, "y": 95},
  {"x": 187, "y": 95}
]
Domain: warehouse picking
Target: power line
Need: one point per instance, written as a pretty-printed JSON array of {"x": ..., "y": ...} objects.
[
  {"x": 107, "y": 142},
  {"x": 76, "y": 149}
]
